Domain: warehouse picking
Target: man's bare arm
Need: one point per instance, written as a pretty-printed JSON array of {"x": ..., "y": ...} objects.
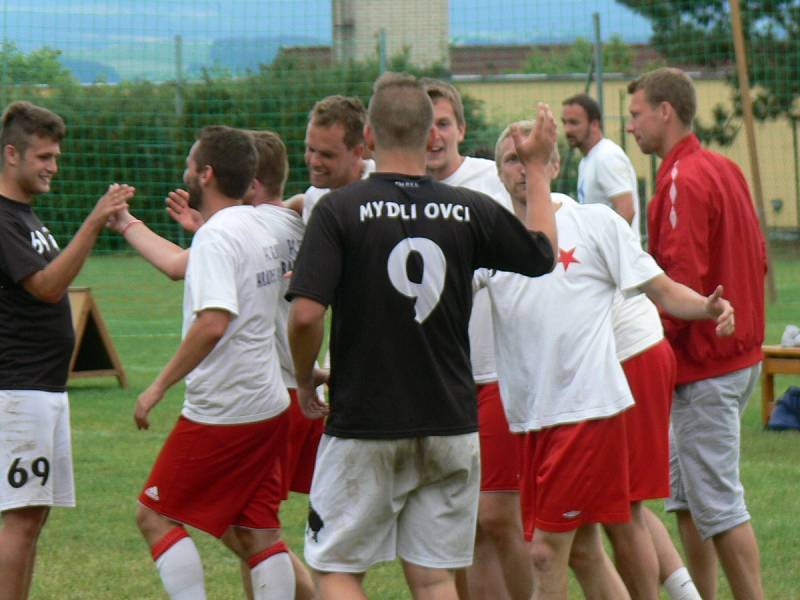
[
  {"x": 165, "y": 256},
  {"x": 295, "y": 203},
  {"x": 683, "y": 302},
  {"x": 623, "y": 205},
  {"x": 51, "y": 283},
  {"x": 306, "y": 325},
  {"x": 208, "y": 328}
]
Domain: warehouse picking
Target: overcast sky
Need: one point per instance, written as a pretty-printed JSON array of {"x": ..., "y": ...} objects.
[{"x": 82, "y": 24}]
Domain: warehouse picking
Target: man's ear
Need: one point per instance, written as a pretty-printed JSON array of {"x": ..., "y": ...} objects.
[
  {"x": 369, "y": 140},
  {"x": 206, "y": 175},
  {"x": 11, "y": 156}
]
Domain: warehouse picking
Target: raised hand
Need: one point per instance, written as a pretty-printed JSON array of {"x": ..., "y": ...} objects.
[
  {"x": 721, "y": 311},
  {"x": 111, "y": 203},
  {"x": 537, "y": 146},
  {"x": 179, "y": 211}
]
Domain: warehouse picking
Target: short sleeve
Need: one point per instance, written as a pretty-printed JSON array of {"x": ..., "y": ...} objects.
[
  {"x": 613, "y": 175},
  {"x": 480, "y": 279},
  {"x": 18, "y": 254},
  {"x": 212, "y": 271},
  {"x": 319, "y": 262},
  {"x": 628, "y": 264}
]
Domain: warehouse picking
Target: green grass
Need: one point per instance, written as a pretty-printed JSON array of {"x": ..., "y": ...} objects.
[{"x": 95, "y": 551}]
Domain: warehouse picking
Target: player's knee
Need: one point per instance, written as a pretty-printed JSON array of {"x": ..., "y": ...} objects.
[
  {"x": 147, "y": 521},
  {"x": 543, "y": 556},
  {"x": 25, "y": 525},
  {"x": 497, "y": 521},
  {"x": 581, "y": 557}
]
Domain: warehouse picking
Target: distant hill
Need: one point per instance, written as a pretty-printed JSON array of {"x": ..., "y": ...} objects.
[
  {"x": 239, "y": 55},
  {"x": 91, "y": 71},
  {"x": 155, "y": 61}
]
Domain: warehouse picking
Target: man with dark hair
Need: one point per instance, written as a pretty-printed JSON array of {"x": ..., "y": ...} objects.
[
  {"x": 229, "y": 443},
  {"x": 335, "y": 150},
  {"x": 36, "y": 337},
  {"x": 605, "y": 173},
  {"x": 502, "y": 567},
  {"x": 703, "y": 231},
  {"x": 397, "y": 470}
]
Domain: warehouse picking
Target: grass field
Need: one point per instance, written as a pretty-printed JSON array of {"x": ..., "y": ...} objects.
[{"x": 95, "y": 551}]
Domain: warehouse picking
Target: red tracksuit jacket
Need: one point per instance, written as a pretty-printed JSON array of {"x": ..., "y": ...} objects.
[{"x": 704, "y": 231}]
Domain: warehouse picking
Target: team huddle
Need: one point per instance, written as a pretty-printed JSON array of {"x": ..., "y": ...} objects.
[{"x": 508, "y": 375}]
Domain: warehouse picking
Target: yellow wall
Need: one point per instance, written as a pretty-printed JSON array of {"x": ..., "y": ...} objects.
[{"x": 507, "y": 101}]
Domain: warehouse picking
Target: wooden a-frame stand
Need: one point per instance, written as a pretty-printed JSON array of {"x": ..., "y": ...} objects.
[{"x": 94, "y": 354}]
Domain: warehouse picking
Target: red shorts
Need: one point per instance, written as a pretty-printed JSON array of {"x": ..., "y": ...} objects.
[
  {"x": 651, "y": 377},
  {"x": 500, "y": 448},
  {"x": 575, "y": 474},
  {"x": 301, "y": 455},
  {"x": 215, "y": 476}
]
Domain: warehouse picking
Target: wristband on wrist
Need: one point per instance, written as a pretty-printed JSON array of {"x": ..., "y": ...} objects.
[{"x": 129, "y": 223}]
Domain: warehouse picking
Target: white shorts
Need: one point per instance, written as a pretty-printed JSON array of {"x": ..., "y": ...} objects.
[
  {"x": 35, "y": 450},
  {"x": 374, "y": 500}
]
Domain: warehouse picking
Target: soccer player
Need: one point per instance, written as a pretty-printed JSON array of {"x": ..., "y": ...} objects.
[
  {"x": 605, "y": 173},
  {"x": 606, "y": 176},
  {"x": 704, "y": 230},
  {"x": 567, "y": 390},
  {"x": 397, "y": 469},
  {"x": 502, "y": 567},
  {"x": 335, "y": 149},
  {"x": 36, "y": 337},
  {"x": 229, "y": 442},
  {"x": 265, "y": 193}
]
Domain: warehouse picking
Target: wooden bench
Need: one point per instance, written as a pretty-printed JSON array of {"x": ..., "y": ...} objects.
[{"x": 777, "y": 359}]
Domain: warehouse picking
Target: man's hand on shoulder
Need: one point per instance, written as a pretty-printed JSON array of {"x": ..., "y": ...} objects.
[{"x": 295, "y": 203}]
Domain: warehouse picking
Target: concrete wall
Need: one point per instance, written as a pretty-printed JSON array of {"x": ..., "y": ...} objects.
[{"x": 420, "y": 25}]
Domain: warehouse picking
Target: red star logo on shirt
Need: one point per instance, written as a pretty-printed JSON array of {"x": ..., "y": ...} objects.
[{"x": 565, "y": 257}]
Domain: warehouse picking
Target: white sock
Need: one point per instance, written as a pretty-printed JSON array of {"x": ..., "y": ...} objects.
[
  {"x": 273, "y": 577},
  {"x": 679, "y": 586},
  {"x": 181, "y": 571}
]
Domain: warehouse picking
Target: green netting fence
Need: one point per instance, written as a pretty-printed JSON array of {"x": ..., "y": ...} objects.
[{"x": 134, "y": 80}]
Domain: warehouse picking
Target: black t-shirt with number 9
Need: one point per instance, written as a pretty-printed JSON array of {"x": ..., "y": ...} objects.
[
  {"x": 394, "y": 256},
  {"x": 36, "y": 338}
]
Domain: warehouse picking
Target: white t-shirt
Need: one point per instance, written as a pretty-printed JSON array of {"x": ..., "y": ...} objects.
[
  {"x": 555, "y": 347},
  {"x": 637, "y": 325},
  {"x": 234, "y": 265},
  {"x": 480, "y": 174},
  {"x": 313, "y": 194},
  {"x": 288, "y": 228},
  {"x": 606, "y": 172}
]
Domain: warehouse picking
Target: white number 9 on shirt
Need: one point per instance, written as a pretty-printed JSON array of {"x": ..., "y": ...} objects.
[{"x": 428, "y": 290}]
